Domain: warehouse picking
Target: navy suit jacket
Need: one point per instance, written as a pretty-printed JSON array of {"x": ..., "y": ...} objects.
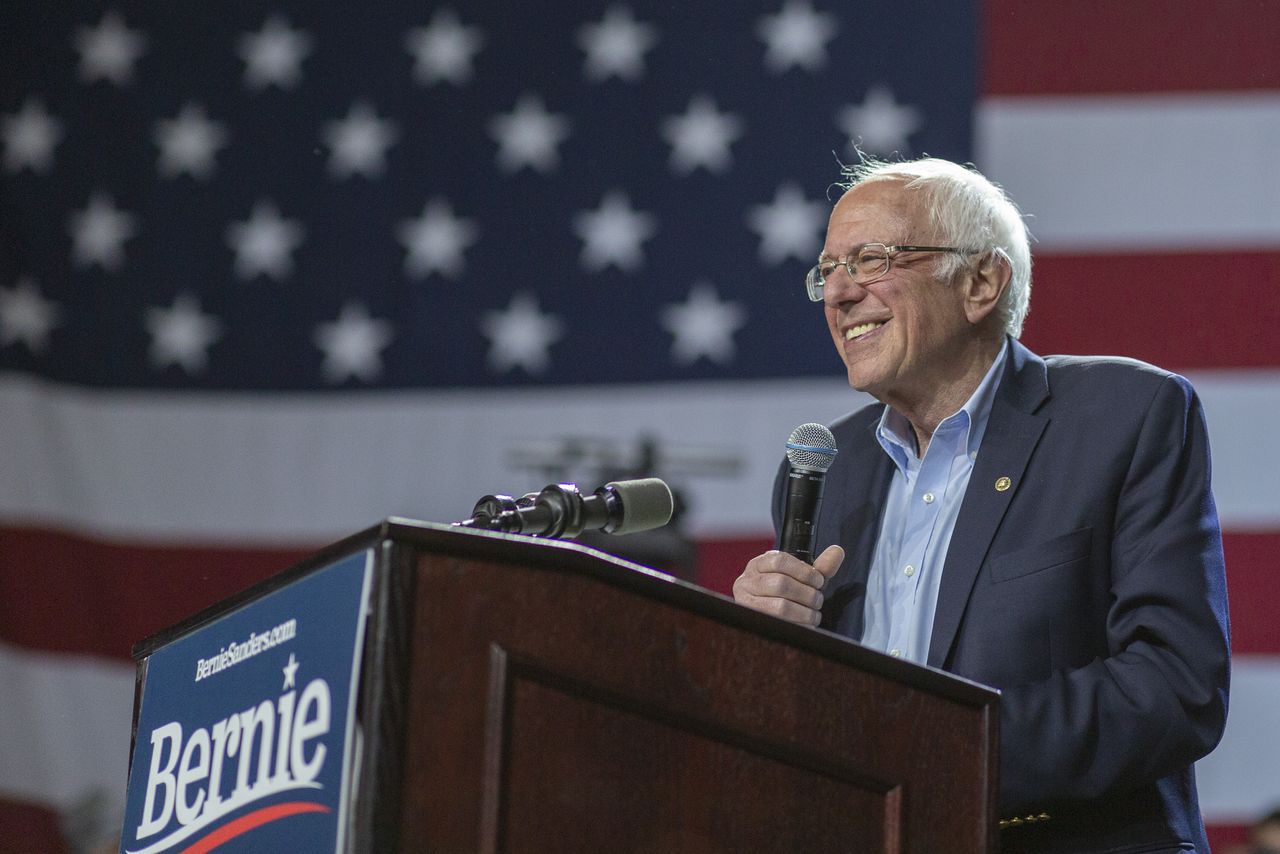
[{"x": 1091, "y": 591}]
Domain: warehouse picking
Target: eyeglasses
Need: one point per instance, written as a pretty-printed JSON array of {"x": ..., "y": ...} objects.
[{"x": 872, "y": 263}]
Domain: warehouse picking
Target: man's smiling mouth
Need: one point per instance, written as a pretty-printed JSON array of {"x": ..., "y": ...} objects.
[{"x": 861, "y": 329}]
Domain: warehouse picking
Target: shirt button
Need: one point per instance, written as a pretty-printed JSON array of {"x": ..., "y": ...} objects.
[
  {"x": 928, "y": 498},
  {"x": 973, "y": 455},
  {"x": 895, "y": 652},
  {"x": 909, "y": 571}
]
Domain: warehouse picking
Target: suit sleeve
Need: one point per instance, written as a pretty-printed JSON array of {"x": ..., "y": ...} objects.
[{"x": 1158, "y": 700}]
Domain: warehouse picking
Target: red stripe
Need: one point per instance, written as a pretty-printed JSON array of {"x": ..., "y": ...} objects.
[
  {"x": 1253, "y": 589},
  {"x": 1180, "y": 311},
  {"x": 253, "y": 820},
  {"x": 1222, "y": 836},
  {"x": 1102, "y": 46},
  {"x": 65, "y": 593},
  {"x": 25, "y": 828}
]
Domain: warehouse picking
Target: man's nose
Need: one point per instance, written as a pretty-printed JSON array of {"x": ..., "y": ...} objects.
[{"x": 840, "y": 287}]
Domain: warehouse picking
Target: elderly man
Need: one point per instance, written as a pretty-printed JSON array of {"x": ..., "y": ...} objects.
[{"x": 1041, "y": 525}]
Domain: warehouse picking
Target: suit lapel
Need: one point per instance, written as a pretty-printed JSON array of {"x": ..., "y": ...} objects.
[
  {"x": 862, "y": 487},
  {"x": 1011, "y": 436}
]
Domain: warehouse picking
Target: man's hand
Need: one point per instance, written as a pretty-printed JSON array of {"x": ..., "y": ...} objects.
[{"x": 787, "y": 587}]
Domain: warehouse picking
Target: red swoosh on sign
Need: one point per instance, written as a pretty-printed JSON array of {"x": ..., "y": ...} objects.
[{"x": 246, "y": 823}]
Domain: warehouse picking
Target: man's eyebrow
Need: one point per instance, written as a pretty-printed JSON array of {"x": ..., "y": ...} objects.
[{"x": 853, "y": 250}]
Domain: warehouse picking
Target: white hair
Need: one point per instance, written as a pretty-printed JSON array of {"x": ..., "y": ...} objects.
[{"x": 968, "y": 211}]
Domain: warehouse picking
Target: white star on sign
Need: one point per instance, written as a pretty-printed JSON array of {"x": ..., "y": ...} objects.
[
  {"x": 528, "y": 136},
  {"x": 701, "y": 137},
  {"x": 26, "y": 316},
  {"x": 359, "y": 142},
  {"x": 797, "y": 35},
  {"x": 703, "y": 326},
  {"x": 30, "y": 135},
  {"x": 264, "y": 243},
  {"x": 189, "y": 143},
  {"x": 274, "y": 54},
  {"x": 353, "y": 344},
  {"x": 791, "y": 226},
  {"x": 99, "y": 231},
  {"x": 521, "y": 335},
  {"x": 444, "y": 49},
  {"x": 109, "y": 51},
  {"x": 616, "y": 45},
  {"x": 181, "y": 335},
  {"x": 612, "y": 234},
  {"x": 436, "y": 240},
  {"x": 290, "y": 674},
  {"x": 880, "y": 124}
]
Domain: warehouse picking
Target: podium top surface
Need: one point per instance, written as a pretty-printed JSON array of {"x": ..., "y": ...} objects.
[{"x": 547, "y": 555}]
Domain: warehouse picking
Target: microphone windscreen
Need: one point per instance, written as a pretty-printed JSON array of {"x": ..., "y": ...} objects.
[
  {"x": 646, "y": 503},
  {"x": 811, "y": 447}
]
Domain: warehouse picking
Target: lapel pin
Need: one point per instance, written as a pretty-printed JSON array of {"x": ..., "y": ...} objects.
[{"x": 1003, "y": 483}]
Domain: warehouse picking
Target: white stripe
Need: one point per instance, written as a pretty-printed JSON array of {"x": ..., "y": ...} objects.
[
  {"x": 1239, "y": 782},
  {"x": 64, "y": 729},
  {"x": 306, "y": 469},
  {"x": 1131, "y": 172}
]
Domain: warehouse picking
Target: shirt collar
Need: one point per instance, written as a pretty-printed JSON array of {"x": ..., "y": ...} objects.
[{"x": 899, "y": 441}]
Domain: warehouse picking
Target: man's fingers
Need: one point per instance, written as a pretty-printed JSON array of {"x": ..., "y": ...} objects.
[
  {"x": 829, "y": 561},
  {"x": 784, "y": 564},
  {"x": 784, "y": 608}
]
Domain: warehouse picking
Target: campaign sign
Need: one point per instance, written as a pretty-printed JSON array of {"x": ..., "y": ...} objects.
[{"x": 245, "y": 731}]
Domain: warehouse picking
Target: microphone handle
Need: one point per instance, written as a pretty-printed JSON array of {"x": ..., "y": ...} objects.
[{"x": 800, "y": 513}]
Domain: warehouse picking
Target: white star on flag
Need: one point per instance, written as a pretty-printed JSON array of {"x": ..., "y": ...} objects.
[
  {"x": 26, "y": 316},
  {"x": 612, "y": 234},
  {"x": 444, "y": 49},
  {"x": 181, "y": 335},
  {"x": 880, "y": 124},
  {"x": 521, "y": 335},
  {"x": 789, "y": 227},
  {"x": 99, "y": 231},
  {"x": 30, "y": 135},
  {"x": 701, "y": 137},
  {"x": 274, "y": 54},
  {"x": 359, "y": 142},
  {"x": 703, "y": 326},
  {"x": 353, "y": 344},
  {"x": 528, "y": 136},
  {"x": 108, "y": 51},
  {"x": 435, "y": 242},
  {"x": 264, "y": 243},
  {"x": 796, "y": 36},
  {"x": 189, "y": 143},
  {"x": 616, "y": 46}
]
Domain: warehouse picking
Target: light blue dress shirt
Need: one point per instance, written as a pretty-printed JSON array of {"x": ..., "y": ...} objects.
[{"x": 919, "y": 516}]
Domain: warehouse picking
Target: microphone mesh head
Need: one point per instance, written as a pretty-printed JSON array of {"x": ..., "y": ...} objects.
[
  {"x": 811, "y": 447},
  {"x": 647, "y": 503}
]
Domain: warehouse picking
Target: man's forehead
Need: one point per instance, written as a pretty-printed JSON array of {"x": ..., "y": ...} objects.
[{"x": 878, "y": 211}]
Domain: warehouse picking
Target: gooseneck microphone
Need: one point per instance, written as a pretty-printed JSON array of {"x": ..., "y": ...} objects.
[
  {"x": 810, "y": 451},
  {"x": 562, "y": 511}
]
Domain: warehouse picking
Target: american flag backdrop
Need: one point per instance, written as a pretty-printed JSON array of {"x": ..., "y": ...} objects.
[{"x": 272, "y": 271}]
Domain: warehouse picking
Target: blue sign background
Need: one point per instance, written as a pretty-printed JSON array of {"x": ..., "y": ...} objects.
[{"x": 329, "y": 608}]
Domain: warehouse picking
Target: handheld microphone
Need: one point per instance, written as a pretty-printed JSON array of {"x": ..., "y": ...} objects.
[
  {"x": 562, "y": 511},
  {"x": 810, "y": 451}
]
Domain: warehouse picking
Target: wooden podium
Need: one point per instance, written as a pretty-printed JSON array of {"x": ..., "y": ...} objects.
[{"x": 523, "y": 695}]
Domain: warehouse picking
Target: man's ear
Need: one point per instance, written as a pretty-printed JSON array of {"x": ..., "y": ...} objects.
[{"x": 984, "y": 284}]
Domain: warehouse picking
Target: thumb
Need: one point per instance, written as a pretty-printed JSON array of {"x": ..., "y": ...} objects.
[{"x": 829, "y": 561}]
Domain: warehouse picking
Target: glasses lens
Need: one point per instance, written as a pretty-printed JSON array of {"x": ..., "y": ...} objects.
[
  {"x": 872, "y": 262},
  {"x": 813, "y": 283}
]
